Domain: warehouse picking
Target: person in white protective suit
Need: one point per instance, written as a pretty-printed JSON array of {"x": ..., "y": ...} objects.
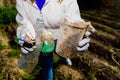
[{"x": 34, "y": 17}]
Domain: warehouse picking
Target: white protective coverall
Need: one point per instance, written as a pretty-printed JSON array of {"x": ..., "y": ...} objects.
[{"x": 53, "y": 14}]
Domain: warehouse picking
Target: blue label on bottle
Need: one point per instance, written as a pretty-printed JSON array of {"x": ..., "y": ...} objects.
[{"x": 39, "y": 21}]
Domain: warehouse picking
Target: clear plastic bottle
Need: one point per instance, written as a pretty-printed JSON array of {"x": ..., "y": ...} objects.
[
  {"x": 39, "y": 27},
  {"x": 44, "y": 37}
]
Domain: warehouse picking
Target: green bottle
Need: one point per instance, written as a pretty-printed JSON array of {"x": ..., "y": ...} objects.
[{"x": 48, "y": 43}]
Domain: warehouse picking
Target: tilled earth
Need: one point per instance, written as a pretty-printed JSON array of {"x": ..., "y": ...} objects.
[{"x": 103, "y": 57}]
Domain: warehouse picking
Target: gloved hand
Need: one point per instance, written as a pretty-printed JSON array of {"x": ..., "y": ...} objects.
[
  {"x": 27, "y": 44},
  {"x": 84, "y": 44}
]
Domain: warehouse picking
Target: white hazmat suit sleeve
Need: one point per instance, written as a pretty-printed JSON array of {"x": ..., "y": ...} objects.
[
  {"x": 71, "y": 10},
  {"x": 24, "y": 25}
]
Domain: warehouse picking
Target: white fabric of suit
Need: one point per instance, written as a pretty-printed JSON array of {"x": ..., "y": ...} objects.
[{"x": 52, "y": 11}]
